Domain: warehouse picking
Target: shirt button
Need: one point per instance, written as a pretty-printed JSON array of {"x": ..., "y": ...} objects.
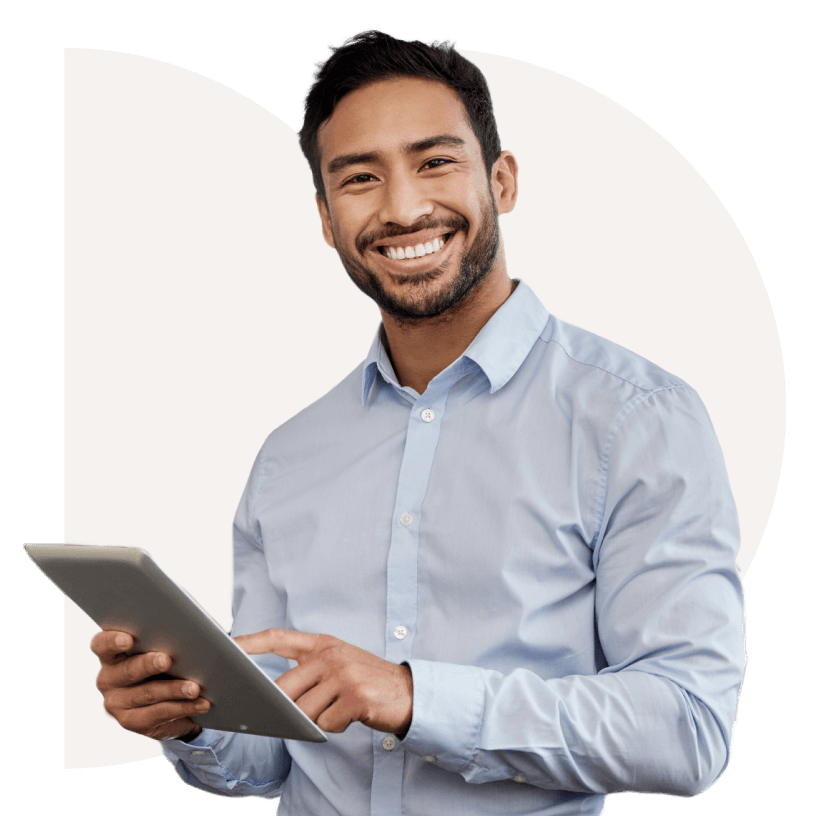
[
  {"x": 389, "y": 743},
  {"x": 429, "y": 758},
  {"x": 406, "y": 519},
  {"x": 400, "y": 632},
  {"x": 427, "y": 415},
  {"x": 519, "y": 778}
]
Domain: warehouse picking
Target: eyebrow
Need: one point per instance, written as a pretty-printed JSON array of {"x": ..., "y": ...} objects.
[{"x": 340, "y": 163}]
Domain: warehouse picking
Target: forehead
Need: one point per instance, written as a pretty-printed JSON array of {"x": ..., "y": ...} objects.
[{"x": 389, "y": 114}]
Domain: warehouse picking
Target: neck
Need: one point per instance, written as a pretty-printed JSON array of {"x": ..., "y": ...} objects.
[{"x": 420, "y": 349}]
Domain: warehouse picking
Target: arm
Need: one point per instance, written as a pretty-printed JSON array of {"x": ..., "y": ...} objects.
[
  {"x": 161, "y": 708},
  {"x": 657, "y": 717},
  {"x": 229, "y": 763}
]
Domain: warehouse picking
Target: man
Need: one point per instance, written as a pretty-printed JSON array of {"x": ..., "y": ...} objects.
[{"x": 497, "y": 561}]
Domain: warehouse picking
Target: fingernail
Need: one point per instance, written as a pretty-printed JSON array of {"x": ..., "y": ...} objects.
[
  {"x": 202, "y": 705},
  {"x": 160, "y": 661},
  {"x": 122, "y": 641},
  {"x": 187, "y": 690}
]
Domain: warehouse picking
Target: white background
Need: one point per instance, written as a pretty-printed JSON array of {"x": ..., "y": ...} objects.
[{"x": 194, "y": 270}]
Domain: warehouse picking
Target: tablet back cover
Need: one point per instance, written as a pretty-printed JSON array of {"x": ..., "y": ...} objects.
[{"x": 123, "y": 589}]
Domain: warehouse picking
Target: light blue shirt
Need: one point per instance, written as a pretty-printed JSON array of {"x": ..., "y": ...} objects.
[{"x": 546, "y": 536}]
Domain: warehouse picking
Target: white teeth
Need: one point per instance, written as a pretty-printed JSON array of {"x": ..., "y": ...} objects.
[{"x": 400, "y": 253}]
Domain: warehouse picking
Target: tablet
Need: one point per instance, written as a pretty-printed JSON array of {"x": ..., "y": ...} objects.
[{"x": 123, "y": 589}]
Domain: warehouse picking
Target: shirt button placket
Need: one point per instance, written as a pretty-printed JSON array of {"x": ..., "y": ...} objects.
[{"x": 401, "y": 596}]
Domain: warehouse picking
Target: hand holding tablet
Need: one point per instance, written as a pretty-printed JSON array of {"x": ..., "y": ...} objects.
[
  {"x": 126, "y": 593},
  {"x": 158, "y": 707}
]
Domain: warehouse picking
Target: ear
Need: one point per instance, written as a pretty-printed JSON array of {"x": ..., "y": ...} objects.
[
  {"x": 504, "y": 178},
  {"x": 325, "y": 219}
]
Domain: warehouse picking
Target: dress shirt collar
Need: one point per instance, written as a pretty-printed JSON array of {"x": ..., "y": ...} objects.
[{"x": 499, "y": 349}]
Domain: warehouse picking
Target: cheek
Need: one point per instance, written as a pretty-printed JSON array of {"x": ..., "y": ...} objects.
[
  {"x": 464, "y": 197},
  {"x": 350, "y": 220}
]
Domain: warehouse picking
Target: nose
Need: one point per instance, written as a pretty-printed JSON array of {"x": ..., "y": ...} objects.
[{"x": 404, "y": 201}]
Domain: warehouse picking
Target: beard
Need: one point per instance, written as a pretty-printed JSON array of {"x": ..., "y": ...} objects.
[{"x": 415, "y": 299}]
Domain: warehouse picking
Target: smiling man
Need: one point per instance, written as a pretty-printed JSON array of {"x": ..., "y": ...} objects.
[
  {"x": 412, "y": 212},
  {"x": 497, "y": 561}
]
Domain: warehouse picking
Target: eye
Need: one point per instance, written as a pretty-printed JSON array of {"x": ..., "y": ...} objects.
[
  {"x": 432, "y": 164},
  {"x": 360, "y": 178}
]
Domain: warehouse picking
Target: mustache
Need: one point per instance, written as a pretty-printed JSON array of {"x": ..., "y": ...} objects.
[{"x": 452, "y": 224}]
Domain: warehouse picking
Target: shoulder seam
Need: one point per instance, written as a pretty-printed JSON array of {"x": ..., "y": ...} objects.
[{"x": 677, "y": 384}]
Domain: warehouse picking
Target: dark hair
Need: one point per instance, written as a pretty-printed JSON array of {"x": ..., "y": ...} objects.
[{"x": 373, "y": 56}]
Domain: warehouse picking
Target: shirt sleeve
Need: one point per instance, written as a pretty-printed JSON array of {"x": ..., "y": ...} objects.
[
  {"x": 230, "y": 764},
  {"x": 224, "y": 762},
  {"x": 658, "y": 714}
]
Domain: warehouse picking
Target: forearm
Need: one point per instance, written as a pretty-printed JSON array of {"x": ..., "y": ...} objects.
[
  {"x": 626, "y": 730},
  {"x": 229, "y": 763}
]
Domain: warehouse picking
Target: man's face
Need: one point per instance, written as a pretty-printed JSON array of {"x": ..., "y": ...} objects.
[{"x": 409, "y": 207}]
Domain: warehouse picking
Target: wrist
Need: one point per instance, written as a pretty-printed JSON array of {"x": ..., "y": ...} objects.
[
  {"x": 405, "y": 725},
  {"x": 191, "y": 735}
]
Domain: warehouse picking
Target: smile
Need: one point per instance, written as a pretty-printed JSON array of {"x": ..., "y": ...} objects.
[{"x": 399, "y": 253}]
